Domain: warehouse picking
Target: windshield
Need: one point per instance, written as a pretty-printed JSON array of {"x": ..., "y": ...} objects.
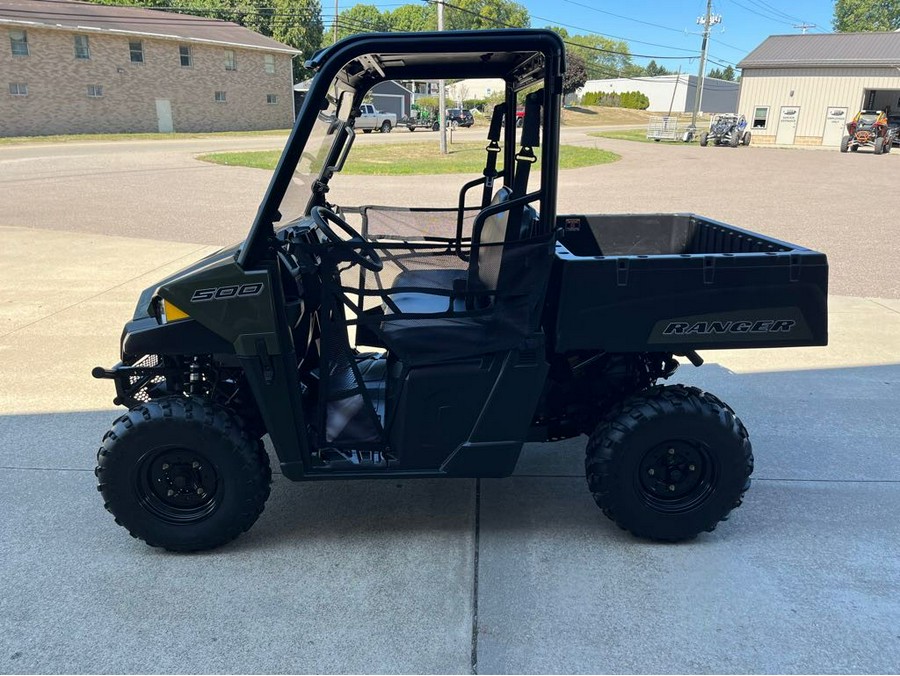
[{"x": 319, "y": 146}]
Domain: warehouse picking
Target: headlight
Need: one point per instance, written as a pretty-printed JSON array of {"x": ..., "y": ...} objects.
[{"x": 169, "y": 312}]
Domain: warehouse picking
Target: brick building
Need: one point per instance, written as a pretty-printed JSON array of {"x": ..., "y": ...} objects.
[{"x": 74, "y": 67}]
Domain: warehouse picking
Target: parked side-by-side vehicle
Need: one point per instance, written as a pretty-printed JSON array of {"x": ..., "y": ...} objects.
[{"x": 375, "y": 341}]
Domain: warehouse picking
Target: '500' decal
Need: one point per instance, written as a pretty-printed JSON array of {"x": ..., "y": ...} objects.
[{"x": 225, "y": 292}]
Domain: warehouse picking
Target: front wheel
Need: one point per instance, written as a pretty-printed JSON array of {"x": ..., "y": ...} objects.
[
  {"x": 845, "y": 144},
  {"x": 879, "y": 146},
  {"x": 182, "y": 474},
  {"x": 734, "y": 139},
  {"x": 745, "y": 139},
  {"x": 670, "y": 463},
  {"x": 704, "y": 139},
  {"x": 435, "y": 126}
]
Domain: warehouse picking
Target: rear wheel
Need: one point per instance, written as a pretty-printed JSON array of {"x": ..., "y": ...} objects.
[
  {"x": 182, "y": 474},
  {"x": 386, "y": 127},
  {"x": 411, "y": 128},
  {"x": 845, "y": 144},
  {"x": 669, "y": 463},
  {"x": 704, "y": 139}
]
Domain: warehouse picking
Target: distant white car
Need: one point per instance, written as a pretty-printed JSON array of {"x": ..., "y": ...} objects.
[{"x": 369, "y": 118}]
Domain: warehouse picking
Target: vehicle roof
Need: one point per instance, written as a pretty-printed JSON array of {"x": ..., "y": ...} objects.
[{"x": 463, "y": 54}]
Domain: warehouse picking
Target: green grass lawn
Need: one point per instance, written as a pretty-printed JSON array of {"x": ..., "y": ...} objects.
[
  {"x": 69, "y": 138},
  {"x": 402, "y": 159}
]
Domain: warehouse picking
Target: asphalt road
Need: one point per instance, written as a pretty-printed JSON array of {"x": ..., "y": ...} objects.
[
  {"x": 520, "y": 575},
  {"x": 840, "y": 204}
]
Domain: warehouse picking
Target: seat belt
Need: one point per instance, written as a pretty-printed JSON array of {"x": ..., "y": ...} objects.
[
  {"x": 525, "y": 157},
  {"x": 493, "y": 150}
]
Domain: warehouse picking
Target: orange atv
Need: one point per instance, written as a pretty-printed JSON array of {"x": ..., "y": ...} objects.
[{"x": 868, "y": 128}]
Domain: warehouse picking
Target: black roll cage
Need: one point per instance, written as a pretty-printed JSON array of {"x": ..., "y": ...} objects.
[{"x": 433, "y": 55}]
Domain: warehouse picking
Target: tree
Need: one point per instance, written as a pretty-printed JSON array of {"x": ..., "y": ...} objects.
[
  {"x": 478, "y": 14},
  {"x": 726, "y": 74},
  {"x": 602, "y": 56},
  {"x": 654, "y": 70},
  {"x": 414, "y": 18},
  {"x": 576, "y": 73},
  {"x": 362, "y": 19},
  {"x": 299, "y": 25},
  {"x": 866, "y": 15}
]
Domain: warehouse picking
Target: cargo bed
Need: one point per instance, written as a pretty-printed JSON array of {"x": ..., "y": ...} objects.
[{"x": 675, "y": 282}]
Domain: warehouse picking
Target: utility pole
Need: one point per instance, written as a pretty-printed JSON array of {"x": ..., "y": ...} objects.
[
  {"x": 335, "y": 21},
  {"x": 804, "y": 26},
  {"x": 707, "y": 22},
  {"x": 442, "y": 99}
]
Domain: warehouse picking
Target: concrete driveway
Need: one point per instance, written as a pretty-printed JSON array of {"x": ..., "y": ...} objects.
[{"x": 515, "y": 575}]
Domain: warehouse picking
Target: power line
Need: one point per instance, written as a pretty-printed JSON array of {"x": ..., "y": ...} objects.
[
  {"x": 620, "y": 16},
  {"x": 568, "y": 42}
]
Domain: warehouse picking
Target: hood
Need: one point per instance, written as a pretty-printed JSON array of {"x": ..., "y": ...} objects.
[{"x": 215, "y": 259}]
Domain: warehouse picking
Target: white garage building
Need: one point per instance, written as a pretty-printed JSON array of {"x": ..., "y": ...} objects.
[
  {"x": 802, "y": 89},
  {"x": 672, "y": 92}
]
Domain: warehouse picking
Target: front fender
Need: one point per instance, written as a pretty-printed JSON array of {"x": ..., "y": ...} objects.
[{"x": 184, "y": 337}]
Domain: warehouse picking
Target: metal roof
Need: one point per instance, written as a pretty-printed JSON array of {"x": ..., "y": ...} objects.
[
  {"x": 823, "y": 50},
  {"x": 73, "y": 15}
]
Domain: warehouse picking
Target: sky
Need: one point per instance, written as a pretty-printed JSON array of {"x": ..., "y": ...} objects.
[{"x": 671, "y": 25}]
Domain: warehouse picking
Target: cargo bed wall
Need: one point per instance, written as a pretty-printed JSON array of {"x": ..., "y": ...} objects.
[
  {"x": 655, "y": 234},
  {"x": 675, "y": 282}
]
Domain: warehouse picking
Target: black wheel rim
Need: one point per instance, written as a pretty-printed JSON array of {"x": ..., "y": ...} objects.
[
  {"x": 676, "y": 476},
  {"x": 178, "y": 485}
]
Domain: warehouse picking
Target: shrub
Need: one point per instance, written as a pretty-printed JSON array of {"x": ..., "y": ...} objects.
[{"x": 636, "y": 100}]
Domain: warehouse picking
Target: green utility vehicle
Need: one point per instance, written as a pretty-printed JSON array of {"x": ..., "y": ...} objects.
[{"x": 383, "y": 342}]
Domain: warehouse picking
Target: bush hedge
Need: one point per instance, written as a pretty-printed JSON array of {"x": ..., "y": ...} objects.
[{"x": 635, "y": 100}]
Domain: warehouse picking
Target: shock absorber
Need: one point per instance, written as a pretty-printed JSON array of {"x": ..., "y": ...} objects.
[{"x": 195, "y": 377}]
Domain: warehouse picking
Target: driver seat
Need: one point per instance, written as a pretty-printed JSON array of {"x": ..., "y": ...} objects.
[{"x": 483, "y": 273}]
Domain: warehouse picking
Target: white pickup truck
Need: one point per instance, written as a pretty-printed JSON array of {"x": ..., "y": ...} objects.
[{"x": 369, "y": 118}]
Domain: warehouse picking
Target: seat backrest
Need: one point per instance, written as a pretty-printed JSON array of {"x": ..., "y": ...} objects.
[{"x": 486, "y": 262}]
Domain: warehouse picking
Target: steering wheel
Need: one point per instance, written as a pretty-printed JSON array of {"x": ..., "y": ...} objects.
[{"x": 357, "y": 248}]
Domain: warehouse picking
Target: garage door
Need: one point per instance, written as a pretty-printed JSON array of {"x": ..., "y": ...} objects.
[{"x": 389, "y": 103}]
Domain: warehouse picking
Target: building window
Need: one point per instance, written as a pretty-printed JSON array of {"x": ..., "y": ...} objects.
[
  {"x": 230, "y": 63},
  {"x": 19, "y": 42},
  {"x": 187, "y": 59},
  {"x": 220, "y": 97},
  {"x": 82, "y": 47},
  {"x": 271, "y": 99},
  {"x": 136, "y": 47},
  {"x": 760, "y": 117},
  {"x": 95, "y": 91},
  {"x": 269, "y": 61},
  {"x": 18, "y": 89}
]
